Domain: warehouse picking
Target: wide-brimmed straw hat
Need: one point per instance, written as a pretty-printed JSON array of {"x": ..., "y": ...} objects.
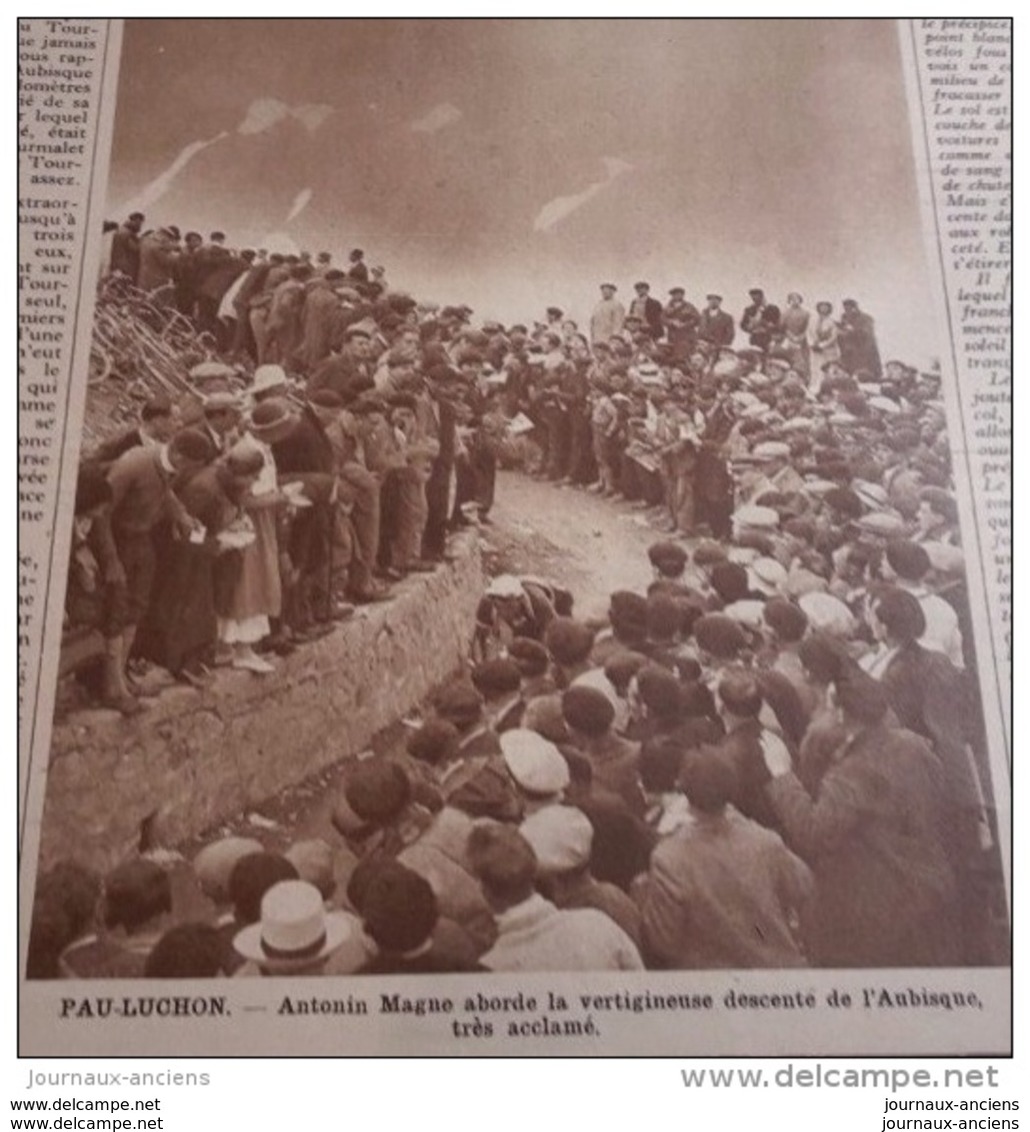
[{"x": 294, "y": 931}]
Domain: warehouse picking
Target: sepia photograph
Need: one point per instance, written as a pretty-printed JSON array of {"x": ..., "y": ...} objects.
[{"x": 514, "y": 531}]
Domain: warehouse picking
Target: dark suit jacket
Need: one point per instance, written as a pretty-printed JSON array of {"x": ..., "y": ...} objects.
[
  {"x": 654, "y": 316},
  {"x": 716, "y": 327},
  {"x": 742, "y": 750},
  {"x": 931, "y": 697}
]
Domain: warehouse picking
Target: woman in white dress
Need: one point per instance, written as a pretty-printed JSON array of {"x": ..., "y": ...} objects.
[
  {"x": 258, "y": 594},
  {"x": 824, "y": 341}
]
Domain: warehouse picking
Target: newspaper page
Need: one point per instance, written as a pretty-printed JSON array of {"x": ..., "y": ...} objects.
[{"x": 515, "y": 537}]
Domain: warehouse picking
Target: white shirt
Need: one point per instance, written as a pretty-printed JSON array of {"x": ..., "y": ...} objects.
[
  {"x": 537, "y": 936},
  {"x": 942, "y": 631}
]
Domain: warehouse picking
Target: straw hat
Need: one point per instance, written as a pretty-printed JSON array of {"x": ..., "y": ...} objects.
[{"x": 294, "y": 931}]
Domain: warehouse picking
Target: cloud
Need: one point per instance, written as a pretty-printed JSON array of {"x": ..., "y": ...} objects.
[
  {"x": 615, "y": 166},
  {"x": 559, "y": 208},
  {"x": 262, "y": 114},
  {"x": 300, "y": 202},
  {"x": 443, "y": 114},
  {"x": 160, "y": 185},
  {"x": 312, "y": 114}
]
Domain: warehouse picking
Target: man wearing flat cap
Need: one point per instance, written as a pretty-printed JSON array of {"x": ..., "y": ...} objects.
[
  {"x": 562, "y": 838},
  {"x": 760, "y": 321},
  {"x": 682, "y": 322},
  {"x": 348, "y": 371},
  {"x": 648, "y": 310},
  {"x": 607, "y": 317},
  {"x": 221, "y": 423},
  {"x": 715, "y": 325}
]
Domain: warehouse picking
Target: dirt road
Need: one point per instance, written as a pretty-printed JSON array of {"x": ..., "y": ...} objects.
[{"x": 588, "y": 544}]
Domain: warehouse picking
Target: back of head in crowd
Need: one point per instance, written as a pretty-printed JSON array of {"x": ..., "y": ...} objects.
[
  {"x": 63, "y": 909},
  {"x": 661, "y": 760},
  {"x": 900, "y": 615},
  {"x": 861, "y": 699},
  {"x": 136, "y": 892},
  {"x": 435, "y": 742},
  {"x": 739, "y": 694},
  {"x": 377, "y": 790},
  {"x": 496, "y": 678},
  {"x": 504, "y": 862},
  {"x": 568, "y": 641},
  {"x": 460, "y": 703},
  {"x": 187, "y": 951},
  {"x": 531, "y": 656},
  {"x": 660, "y": 693},
  {"x": 708, "y": 780},
  {"x": 587, "y": 711},
  {"x": 251, "y": 878},
  {"x": 399, "y": 908},
  {"x": 908, "y": 560}
]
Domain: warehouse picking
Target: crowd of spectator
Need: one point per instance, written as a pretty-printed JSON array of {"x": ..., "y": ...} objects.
[{"x": 773, "y": 757}]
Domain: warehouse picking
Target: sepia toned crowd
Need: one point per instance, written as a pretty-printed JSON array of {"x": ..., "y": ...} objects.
[
  {"x": 729, "y": 774},
  {"x": 772, "y": 757}
]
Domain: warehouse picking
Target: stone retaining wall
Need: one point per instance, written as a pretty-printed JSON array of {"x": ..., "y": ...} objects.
[{"x": 196, "y": 758}]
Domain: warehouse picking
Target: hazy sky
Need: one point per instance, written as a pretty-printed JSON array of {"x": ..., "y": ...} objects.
[{"x": 515, "y": 164}]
